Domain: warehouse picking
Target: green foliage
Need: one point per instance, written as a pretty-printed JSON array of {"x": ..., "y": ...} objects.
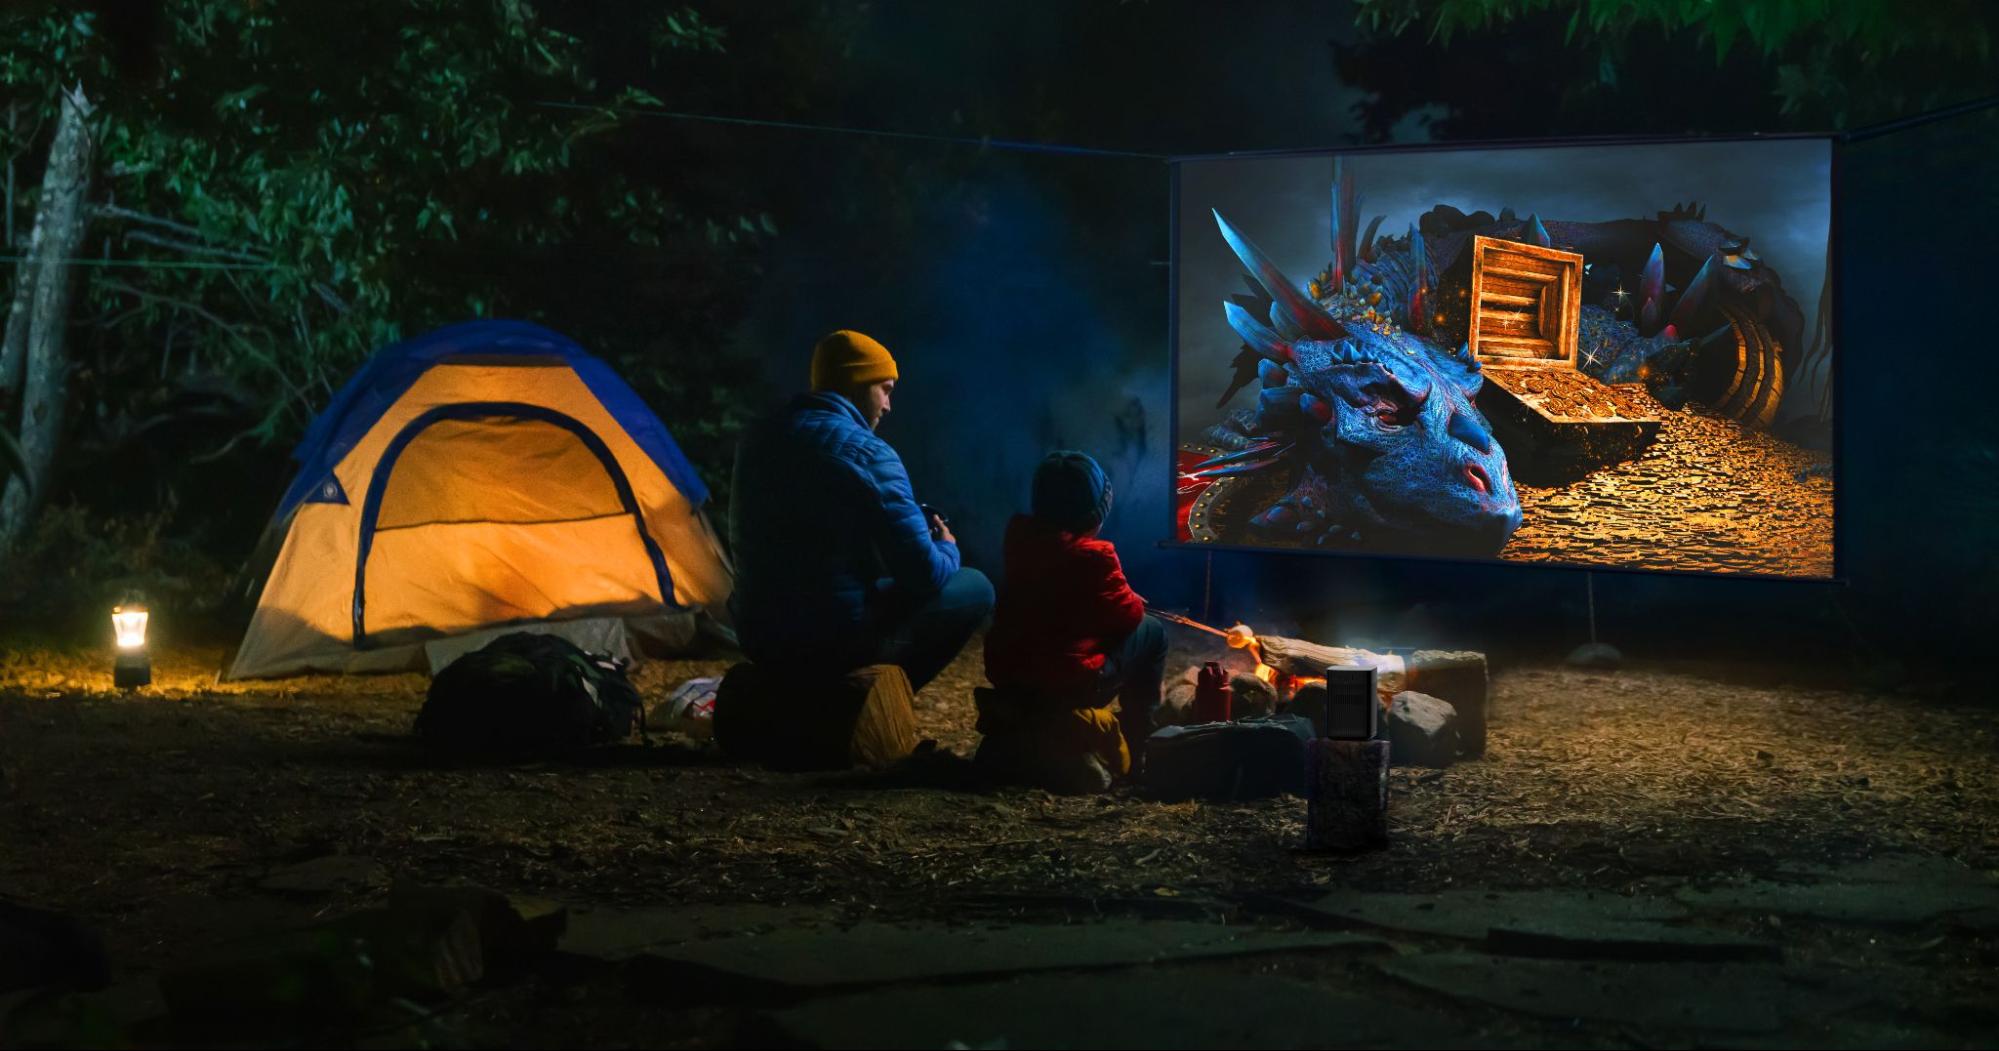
[
  {"x": 323, "y": 179},
  {"x": 1835, "y": 62},
  {"x": 77, "y": 561}
]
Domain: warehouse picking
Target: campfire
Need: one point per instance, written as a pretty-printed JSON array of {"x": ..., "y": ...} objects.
[
  {"x": 1285, "y": 683},
  {"x": 1288, "y": 665}
]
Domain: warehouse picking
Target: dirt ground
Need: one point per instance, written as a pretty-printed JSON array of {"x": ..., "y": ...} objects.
[{"x": 158, "y": 817}]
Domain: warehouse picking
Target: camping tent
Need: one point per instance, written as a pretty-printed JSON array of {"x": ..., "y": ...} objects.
[{"x": 488, "y": 473}]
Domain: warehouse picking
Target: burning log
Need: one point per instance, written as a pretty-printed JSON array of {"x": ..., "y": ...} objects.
[{"x": 1306, "y": 662}]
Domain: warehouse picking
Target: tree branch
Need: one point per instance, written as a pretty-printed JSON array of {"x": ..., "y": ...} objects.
[
  {"x": 112, "y": 211},
  {"x": 179, "y": 304},
  {"x": 211, "y": 457},
  {"x": 330, "y": 297},
  {"x": 191, "y": 248}
]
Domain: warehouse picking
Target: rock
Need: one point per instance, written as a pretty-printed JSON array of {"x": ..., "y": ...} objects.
[
  {"x": 1118, "y": 1009},
  {"x": 128, "y": 1014},
  {"x": 1896, "y": 890},
  {"x": 1623, "y": 940},
  {"x": 1730, "y": 997},
  {"x": 1252, "y": 696},
  {"x": 427, "y": 943},
  {"x": 39, "y": 947},
  {"x": 881, "y": 954},
  {"x": 1423, "y": 730},
  {"x": 1474, "y": 914},
  {"x": 1176, "y": 705},
  {"x": 513, "y": 929},
  {"x": 1460, "y": 677},
  {"x": 327, "y": 875},
  {"x": 615, "y": 934},
  {"x": 1595, "y": 655},
  {"x": 1346, "y": 793}
]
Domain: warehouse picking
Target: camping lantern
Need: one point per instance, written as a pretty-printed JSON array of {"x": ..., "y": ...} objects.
[{"x": 134, "y": 666}]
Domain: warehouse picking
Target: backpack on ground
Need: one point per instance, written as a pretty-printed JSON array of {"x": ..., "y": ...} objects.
[{"x": 528, "y": 693}]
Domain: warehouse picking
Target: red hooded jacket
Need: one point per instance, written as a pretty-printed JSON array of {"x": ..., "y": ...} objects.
[{"x": 1062, "y": 605}]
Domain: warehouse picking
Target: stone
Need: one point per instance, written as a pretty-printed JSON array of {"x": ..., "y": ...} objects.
[
  {"x": 1727, "y": 997},
  {"x": 1595, "y": 655},
  {"x": 1460, "y": 677},
  {"x": 1251, "y": 696},
  {"x": 328, "y": 875},
  {"x": 616, "y": 934},
  {"x": 1346, "y": 794},
  {"x": 1422, "y": 729},
  {"x": 879, "y": 953},
  {"x": 1624, "y": 940},
  {"x": 1895, "y": 890},
  {"x": 427, "y": 943},
  {"x": 514, "y": 930},
  {"x": 1134, "y": 1009},
  {"x": 297, "y": 978},
  {"x": 40, "y": 947},
  {"x": 1471, "y": 914},
  {"x": 129, "y": 1013}
]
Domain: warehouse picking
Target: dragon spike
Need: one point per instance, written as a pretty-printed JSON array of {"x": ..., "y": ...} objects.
[
  {"x": 1254, "y": 452},
  {"x": 1249, "y": 467},
  {"x": 1694, "y": 298},
  {"x": 1276, "y": 399},
  {"x": 1367, "y": 239},
  {"x": 1336, "y": 273},
  {"x": 1538, "y": 234},
  {"x": 1316, "y": 408},
  {"x": 1298, "y": 309},
  {"x": 1346, "y": 220},
  {"x": 1651, "y": 290},
  {"x": 1263, "y": 341},
  {"x": 1271, "y": 374}
]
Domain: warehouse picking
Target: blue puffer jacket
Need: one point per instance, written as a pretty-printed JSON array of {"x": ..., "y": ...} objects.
[{"x": 826, "y": 534}]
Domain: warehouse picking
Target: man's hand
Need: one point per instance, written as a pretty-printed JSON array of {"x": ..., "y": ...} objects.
[{"x": 939, "y": 530}]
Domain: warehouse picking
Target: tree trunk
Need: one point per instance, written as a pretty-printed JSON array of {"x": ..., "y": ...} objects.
[{"x": 40, "y": 314}]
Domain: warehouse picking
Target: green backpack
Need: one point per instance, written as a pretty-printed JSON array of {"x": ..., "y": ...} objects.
[{"x": 526, "y": 693}]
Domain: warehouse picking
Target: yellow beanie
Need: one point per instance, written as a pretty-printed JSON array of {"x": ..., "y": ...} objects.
[{"x": 847, "y": 359}]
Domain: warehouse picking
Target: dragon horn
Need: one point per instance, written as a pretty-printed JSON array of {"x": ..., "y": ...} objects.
[
  {"x": 1261, "y": 339},
  {"x": 1259, "y": 451},
  {"x": 1298, "y": 308}
]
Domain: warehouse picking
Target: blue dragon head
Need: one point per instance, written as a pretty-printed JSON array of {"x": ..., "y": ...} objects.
[{"x": 1377, "y": 425}]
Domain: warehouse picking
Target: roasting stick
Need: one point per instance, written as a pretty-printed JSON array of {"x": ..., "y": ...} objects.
[
  {"x": 1239, "y": 637},
  {"x": 1185, "y": 622}
]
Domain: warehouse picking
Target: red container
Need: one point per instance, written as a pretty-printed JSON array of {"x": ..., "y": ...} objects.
[{"x": 1213, "y": 696}]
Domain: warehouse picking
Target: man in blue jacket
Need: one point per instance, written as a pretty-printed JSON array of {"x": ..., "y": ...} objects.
[{"x": 837, "y": 565}]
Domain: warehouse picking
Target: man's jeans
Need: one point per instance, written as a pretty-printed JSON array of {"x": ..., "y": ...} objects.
[{"x": 924, "y": 639}]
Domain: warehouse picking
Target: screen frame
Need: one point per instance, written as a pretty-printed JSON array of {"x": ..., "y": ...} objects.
[{"x": 1834, "y": 143}]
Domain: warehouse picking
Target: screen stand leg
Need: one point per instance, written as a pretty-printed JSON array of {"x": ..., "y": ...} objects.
[{"x": 1594, "y": 653}]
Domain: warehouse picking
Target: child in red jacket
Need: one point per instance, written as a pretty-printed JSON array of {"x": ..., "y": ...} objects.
[{"x": 1068, "y": 629}]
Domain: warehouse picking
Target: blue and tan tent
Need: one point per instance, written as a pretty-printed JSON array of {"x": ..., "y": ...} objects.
[{"x": 490, "y": 473}]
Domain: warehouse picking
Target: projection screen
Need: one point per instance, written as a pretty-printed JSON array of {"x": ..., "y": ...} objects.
[{"x": 1600, "y": 355}]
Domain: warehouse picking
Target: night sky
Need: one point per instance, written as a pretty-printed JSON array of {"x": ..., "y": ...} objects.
[{"x": 1778, "y": 193}]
